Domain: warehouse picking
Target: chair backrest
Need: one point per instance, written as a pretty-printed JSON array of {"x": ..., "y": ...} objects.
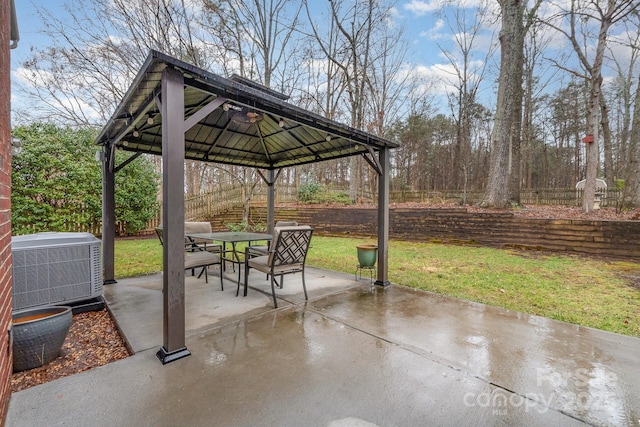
[
  {"x": 291, "y": 245},
  {"x": 190, "y": 227},
  {"x": 194, "y": 227},
  {"x": 287, "y": 224},
  {"x": 276, "y": 230}
]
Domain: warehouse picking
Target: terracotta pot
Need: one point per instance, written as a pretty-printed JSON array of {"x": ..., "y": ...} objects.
[
  {"x": 38, "y": 335},
  {"x": 367, "y": 255}
]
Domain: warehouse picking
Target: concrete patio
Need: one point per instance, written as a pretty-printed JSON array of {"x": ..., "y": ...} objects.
[{"x": 354, "y": 355}]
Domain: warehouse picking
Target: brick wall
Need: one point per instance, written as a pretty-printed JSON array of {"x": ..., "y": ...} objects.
[{"x": 5, "y": 211}]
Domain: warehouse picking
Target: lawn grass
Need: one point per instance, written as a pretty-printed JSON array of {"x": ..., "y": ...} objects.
[
  {"x": 137, "y": 257},
  {"x": 576, "y": 289}
]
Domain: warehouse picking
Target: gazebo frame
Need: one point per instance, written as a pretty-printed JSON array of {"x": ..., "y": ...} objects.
[{"x": 179, "y": 111}]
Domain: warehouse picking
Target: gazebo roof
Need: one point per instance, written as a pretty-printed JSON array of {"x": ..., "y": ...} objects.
[{"x": 231, "y": 121}]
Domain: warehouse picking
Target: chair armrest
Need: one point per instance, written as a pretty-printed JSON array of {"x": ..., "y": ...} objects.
[
  {"x": 190, "y": 245},
  {"x": 254, "y": 251},
  {"x": 159, "y": 234},
  {"x": 213, "y": 248}
]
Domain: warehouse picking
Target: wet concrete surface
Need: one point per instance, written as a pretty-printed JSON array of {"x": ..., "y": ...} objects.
[{"x": 354, "y": 355}]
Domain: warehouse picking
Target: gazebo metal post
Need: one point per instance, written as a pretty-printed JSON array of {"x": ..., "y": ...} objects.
[
  {"x": 383, "y": 219},
  {"x": 108, "y": 215},
  {"x": 173, "y": 296},
  {"x": 270, "y": 180},
  {"x": 271, "y": 200}
]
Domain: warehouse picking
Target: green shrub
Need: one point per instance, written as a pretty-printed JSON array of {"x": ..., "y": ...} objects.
[
  {"x": 314, "y": 193},
  {"x": 309, "y": 192},
  {"x": 57, "y": 183},
  {"x": 241, "y": 227}
]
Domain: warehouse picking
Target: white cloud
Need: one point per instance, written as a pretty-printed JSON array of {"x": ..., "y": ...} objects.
[
  {"x": 434, "y": 33},
  {"x": 420, "y": 8},
  {"x": 24, "y": 76},
  {"x": 620, "y": 48},
  {"x": 433, "y": 79}
]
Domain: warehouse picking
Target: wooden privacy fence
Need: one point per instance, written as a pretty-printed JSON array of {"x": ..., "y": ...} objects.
[
  {"x": 202, "y": 206},
  {"x": 540, "y": 196},
  {"x": 221, "y": 200},
  {"x": 207, "y": 205}
]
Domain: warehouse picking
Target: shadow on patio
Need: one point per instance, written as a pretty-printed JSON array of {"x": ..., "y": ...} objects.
[{"x": 353, "y": 355}]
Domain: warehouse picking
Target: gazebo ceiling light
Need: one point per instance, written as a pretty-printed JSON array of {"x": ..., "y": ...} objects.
[{"x": 245, "y": 116}]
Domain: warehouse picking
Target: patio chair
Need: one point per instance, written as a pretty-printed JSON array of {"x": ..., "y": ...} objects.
[
  {"x": 203, "y": 259},
  {"x": 259, "y": 250},
  {"x": 198, "y": 254},
  {"x": 264, "y": 250},
  {"x": 287, "y": 255},
  {"x": 193, "y": 244}
]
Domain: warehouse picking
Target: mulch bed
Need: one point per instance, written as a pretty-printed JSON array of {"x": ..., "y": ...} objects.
[{"x": 93, "y": 341}]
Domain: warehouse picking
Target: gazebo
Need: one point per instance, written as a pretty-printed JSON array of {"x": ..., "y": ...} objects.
[{"x": 180, "y": 111}]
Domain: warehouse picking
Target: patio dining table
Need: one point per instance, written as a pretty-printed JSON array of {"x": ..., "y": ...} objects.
[{"x": 232, "y": 237}]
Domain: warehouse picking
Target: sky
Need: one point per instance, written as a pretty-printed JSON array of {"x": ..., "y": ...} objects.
[
  {"x": 30, "y": 26},
  {"x": 417, "y": 18},
  {"x": 427, "y": 31}
]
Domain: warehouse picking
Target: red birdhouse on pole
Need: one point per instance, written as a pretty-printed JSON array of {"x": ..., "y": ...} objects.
[{"x": 588, "y": 139}]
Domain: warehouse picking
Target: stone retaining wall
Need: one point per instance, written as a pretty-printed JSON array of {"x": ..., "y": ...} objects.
[{"x": 457, "y": 225}]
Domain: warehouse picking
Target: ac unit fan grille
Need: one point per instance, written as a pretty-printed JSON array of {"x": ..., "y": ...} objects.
[{"x": 56, "y": 274}]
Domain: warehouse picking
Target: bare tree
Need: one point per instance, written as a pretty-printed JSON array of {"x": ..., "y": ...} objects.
[
  {"x": 361, "y": 44},
  {"x": 623, "y": 56},
  {"x": 262, "y": 39},
  {"x": 467, "y": 68},
  {"x": 536, "y": 81},
  {"x": 261, "y": 36},
  {"x": 322, "y": 92},
  {"x": 580, "y": 16},
  {"x": 354, "y": 26},
  {"x": 505, "y": 147},
  {"x": 96, "y": 51},
  {"x": 564, "y": 120},
  {"x": 632, "y": 186},
  {"x": 389, "y": 85}
]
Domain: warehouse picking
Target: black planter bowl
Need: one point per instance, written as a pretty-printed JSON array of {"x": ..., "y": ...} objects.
[{"x": 38, "y": 335}]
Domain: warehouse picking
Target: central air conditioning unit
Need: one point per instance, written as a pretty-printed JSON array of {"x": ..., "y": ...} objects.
[{"x": 55, "y": 268}]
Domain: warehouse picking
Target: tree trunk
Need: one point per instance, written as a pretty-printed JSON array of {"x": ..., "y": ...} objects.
[
  {"x": 354, "y": 179},
  {"x": 515, "y": 167},
  {"x": 609, "y": 173},
  {"x": 593, "y": 123},
  {"x": 632, "y": 183},
  {"x": 506, "y": 130},
  {"x": 592, "y": 149}
]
